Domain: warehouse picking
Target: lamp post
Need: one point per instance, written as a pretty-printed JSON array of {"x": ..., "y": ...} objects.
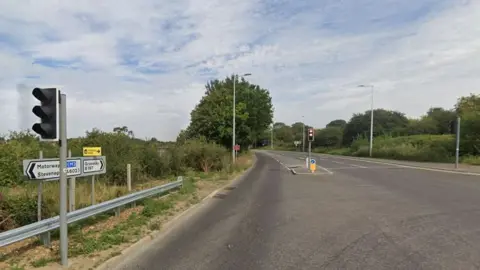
[
  {"x": 233, "y": 132},
  {"x": 371, "y": 117},
  {"x": 271, "y": 136},
  {"x": 303, "y": 132}
]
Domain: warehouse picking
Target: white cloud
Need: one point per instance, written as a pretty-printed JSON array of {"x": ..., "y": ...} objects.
[{"x": 310, "y": 55}]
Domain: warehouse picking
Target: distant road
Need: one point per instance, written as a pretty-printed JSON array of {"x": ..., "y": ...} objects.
[{"x": 351, "y": 215}]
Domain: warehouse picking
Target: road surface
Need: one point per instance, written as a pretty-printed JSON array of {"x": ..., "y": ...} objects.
[{"x": 357, "y": 215}]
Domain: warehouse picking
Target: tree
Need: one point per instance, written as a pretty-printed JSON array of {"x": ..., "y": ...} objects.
[
  {"x": 297, "y": 131},
  {"x": 329, "y": 137},
  {"x": 425, "y": 125},
  {"x": 468, "y": 108},
  {"x": 443, "y": 119},
  {"x": 283, "y": 133},
  {"x": 384, "y": 122},
  {"x": 124, "y": 130},
  {"x": 337, "y": 123},
  {"x": 212, "y": 117},
  {"x": 468, "y": 104}
]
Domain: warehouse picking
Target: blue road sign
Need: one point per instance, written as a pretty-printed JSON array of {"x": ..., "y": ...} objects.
[
  {"x": 312, "y": 161},
  {"x": 71, "y": 164}
]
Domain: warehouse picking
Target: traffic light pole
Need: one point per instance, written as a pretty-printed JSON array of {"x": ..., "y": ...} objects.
[
  {"x": 63, "y": 180},
  {"x": 309, "y": 153}
]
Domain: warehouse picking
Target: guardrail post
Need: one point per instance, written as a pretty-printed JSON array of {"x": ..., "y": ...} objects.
[
  {"x": 92, "y": 195},
  {"x": 71, "y": 184},
  {"x": 45, "y": 238},
  {"x": 129, "y": 180},
  {"x": 129, "y": 177}
]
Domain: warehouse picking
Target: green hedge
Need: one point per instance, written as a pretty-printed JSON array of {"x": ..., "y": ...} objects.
[
  {"x": 433, "y": 148},
  {"x": 148, "y": 159}
]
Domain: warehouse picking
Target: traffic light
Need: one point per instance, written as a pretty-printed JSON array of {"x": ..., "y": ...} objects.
[
  {"x": 310, "y": 135},
  {"x": 47, "y": 112}
]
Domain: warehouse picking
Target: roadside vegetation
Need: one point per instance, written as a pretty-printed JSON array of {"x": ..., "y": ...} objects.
[
  {"x": 201, "y": 154},
  {"x": 430, "y": 138}
]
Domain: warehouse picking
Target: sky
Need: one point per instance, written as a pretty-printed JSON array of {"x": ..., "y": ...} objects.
[{"x": 143, "y": 64}]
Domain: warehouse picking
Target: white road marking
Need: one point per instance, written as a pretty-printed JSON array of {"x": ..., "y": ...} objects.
[
  {"x": 358, "y": 166},
  {"x": 411, "y": 167},
  {"x": 325, "y": 169}
]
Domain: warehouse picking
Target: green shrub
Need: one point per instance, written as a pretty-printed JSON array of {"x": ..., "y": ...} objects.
[
  {"x": 434, "y": 148},
  {"x": 148, "y": 159}
]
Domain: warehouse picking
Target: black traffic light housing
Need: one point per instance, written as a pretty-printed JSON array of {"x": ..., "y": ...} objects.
[
  {"x": 47, "y": 112},
  {"x": 311, "y": 135}
]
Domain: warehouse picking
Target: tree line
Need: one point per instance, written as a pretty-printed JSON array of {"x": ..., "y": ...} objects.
[{"x": 437, "y": 121}]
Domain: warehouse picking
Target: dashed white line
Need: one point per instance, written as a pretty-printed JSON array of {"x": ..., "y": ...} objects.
[{"x": 358, "y": 166}]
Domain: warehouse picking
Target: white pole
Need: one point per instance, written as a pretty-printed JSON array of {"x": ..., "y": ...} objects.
[
  {"x": 371, "y": 125},
  {"x": 63, "y": 181},
  {"x": 39, "y": 193},
  {"x": 457, "y": 148},
  {"x": 271, "y": 137},
  {"x": 233, "y": 132},
  {"x": 71, "y": 188},
  {"x": 303, "y": 137}
]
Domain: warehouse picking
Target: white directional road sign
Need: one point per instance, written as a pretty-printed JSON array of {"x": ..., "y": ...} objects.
[
  {"x": 94, "y": 165},
  {"x": 49, "y": 169}
]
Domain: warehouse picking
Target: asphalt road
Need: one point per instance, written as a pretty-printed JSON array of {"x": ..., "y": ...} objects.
[{"x": 360, "y": 215}]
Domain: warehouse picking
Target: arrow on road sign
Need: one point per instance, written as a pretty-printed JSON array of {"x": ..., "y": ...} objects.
[
  {"x": 93, "y": 165},
  {"x": 312, "y": 161},
  {"x": 30, "y": 173}
]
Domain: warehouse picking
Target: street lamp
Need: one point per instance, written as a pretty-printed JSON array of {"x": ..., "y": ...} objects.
[
  {"x": 371, "y": 116},
  {"x": 303, "y": 132},
  {"x": 233, "y": 132},
  {"x": 271, "y": 136}
]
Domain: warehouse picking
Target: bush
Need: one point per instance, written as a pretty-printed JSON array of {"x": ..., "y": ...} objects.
[
  {"x": 148, "y": 159},
  {"x": 434, "y": 148}
]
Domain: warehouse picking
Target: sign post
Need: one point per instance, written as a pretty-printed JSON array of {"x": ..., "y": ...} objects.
[
  {"x": 313, "y": 165},
  {"x": 236, "y": 149},
  {"x": 311, "y": 138},
  {"x": 63, "y": 180},
  {"x": 457, "y": 144}
]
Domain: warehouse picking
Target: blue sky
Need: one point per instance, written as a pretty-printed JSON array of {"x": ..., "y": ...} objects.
[{"x": 144, "y": 63}]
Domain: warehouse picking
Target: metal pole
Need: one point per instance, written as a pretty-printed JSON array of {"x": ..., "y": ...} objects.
[
  {"x": 271, "y": 137},
  {"x": 303, "y": 138},
  {"x": 457, "y": 148},
  {"x": 371, "y": 126},
  {"x": 71, "y": 188},
  {"x": 63, "y": 181},
  {"x": 309, "y": 152},
  {"x": 39, "y": 193},
  {"x": 233, "y": 135},
  {"x": 92, "y": 194},
  {"x": 129, "y": 177}
]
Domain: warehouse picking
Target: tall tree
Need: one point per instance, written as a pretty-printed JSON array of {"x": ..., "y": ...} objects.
[
  {"x": 384, "y": 122},
  {"x": 212, "y": 117},
  {"x": 337, "y": 123},
  {"x": 443, "y": 119},
  {"x": 468, "y": 108}
]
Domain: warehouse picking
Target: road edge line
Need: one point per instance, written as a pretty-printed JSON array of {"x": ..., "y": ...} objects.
[{"x": 405, "y": 166}]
